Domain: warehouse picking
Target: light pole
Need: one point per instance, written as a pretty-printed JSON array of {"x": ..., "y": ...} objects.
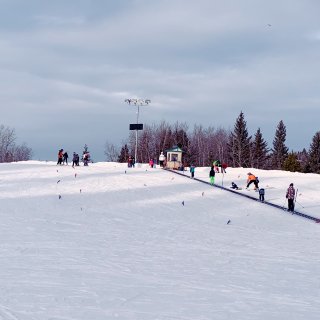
[{"x": 138, "y": 103}]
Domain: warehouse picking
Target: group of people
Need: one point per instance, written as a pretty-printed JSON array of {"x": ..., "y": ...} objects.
[
  {"x": 131, "y": 162},
  {"x": 75, "y": 159},
  {"x": 63, "y": 158},
  {"x": 214, "y": 169},
  {"x": 290, "y": 194},
  {"x": 217, "y": 164},
  {"x": 152, "y": 163},
  {"x": 162, "y": 161}
]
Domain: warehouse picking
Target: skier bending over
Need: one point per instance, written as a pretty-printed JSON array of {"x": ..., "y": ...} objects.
[
  {"x": 252, "y": 179},
  {"x": 290, "y": 196}
]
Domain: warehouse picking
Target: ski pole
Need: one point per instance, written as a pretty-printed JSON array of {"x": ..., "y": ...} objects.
[
  {"x": 299, "y": 204},
  {"x": 295, "y": 198}
]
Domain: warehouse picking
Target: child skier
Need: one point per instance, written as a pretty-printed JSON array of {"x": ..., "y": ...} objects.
[
  {"x": 212, "y": 174},
  {"x": 234, "y": 186},
  {"x": 261, "y": 194}
]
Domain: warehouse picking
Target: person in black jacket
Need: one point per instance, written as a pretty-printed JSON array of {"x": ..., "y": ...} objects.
[
  {"x": 65, "y": 158},
  {"x": 212, "y": 174}
]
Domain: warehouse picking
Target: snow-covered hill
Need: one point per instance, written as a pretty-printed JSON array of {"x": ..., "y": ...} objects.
[{"x": 109, "y": 242}]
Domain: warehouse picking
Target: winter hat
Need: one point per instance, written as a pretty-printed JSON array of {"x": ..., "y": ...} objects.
[{"x": 291, "y": 184}]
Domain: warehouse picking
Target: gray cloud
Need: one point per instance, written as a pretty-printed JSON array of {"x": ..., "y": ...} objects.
[{"x": 66, "y": 68}]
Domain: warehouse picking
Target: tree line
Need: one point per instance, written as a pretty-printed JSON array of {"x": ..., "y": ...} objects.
[
  {"x": 203, "y": 145},
  {"x": 9, "y": 150}
]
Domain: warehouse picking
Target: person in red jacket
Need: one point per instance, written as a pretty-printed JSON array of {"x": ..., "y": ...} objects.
[{"x": 60, "y": 156}]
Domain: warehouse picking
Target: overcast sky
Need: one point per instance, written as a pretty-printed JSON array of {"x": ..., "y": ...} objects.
[{"x": 68, "y": 66}]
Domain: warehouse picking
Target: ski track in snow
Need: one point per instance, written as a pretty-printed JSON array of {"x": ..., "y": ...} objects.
[{"x": 126, "y": 248}]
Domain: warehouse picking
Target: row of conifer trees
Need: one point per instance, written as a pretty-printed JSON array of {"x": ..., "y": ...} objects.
[{"x": 236, "y": 148}]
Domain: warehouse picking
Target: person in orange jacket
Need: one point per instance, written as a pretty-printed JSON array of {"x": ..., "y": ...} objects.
[
  {"x": 252, "y": 179},
  {"x": 60, "y": 156}
]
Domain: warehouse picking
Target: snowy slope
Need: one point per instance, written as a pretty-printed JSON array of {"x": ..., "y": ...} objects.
[{"x": 119, "y": 244}]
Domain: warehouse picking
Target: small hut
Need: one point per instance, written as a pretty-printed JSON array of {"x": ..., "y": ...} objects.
[{"x": 174, "y": 158}]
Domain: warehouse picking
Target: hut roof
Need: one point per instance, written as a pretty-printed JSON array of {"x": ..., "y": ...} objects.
[{"x": 174, "y": 149}]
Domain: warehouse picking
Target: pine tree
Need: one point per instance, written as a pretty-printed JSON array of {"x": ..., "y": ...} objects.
[
  {"x": 292, "y": 163},
  {"x": 124, "y": 154},
  {"x": 314, "y": 154},
  {"x": 279, "y": 151},
  {"x": 239, "y": 143},
  {"x": 259, "y": 151},
  {"x": 303, "y": 158}
]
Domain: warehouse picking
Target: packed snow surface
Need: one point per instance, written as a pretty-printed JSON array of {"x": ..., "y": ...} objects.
[{"x": 111, "y": 242}]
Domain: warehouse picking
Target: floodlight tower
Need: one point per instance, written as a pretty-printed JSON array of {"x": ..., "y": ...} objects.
[{"x": 138, "y": 126}]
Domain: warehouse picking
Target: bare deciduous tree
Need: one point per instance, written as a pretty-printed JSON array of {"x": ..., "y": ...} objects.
[
  {"x": 9, "y": 151},
  {"x": 111, "y": 152}
]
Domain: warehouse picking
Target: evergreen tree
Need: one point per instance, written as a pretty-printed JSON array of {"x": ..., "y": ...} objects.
[
  {"x": 303, "y": 158},
  {"x": 292, "y": 163},
  {"x": 259, "y": 151},
  {"x": 279, "y": 151},
  {"x": 124, "y": 154},
  {"x": 239, "y": 143},
  {"x": 314, "y": 154}
]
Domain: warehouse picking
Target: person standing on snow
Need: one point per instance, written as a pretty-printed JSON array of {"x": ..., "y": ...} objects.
[
  {"x": 291, "y": 192},
  {"x": 212, "y": 174},
  {"x": 60, "y": 156},
  {"x": 74, "y": 160},
  {"x": 252, "y": 179},
  {"x": 162, "y": 159},
  {"x": 224, "y": 167},
  {"x": 261, "y": 194},
  {"x": 65, "y": 158},
  {"x": 192, "y": 169}
]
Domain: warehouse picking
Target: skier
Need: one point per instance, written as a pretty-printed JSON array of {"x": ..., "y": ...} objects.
[
  {"x": 224, "y": 167},
  {"x": 291, "y": 192},
  {"x": 192, "y": 169},
  {"x": 129, "y": 162},
  {"x": 65, "y": 158},
  {"x": 252, "y": 179},
  {"x": 212, "y": 174},
  {"x": 151, "y": 163},
  {"x": 77, "y": 159},
  {"x": 60, "y": 156},
  {"x": 234, "y": 186},
  {"x": 74, "y": 160},
  {"x": 86, "y": 158},
  {"x": 261, "y": 194}
]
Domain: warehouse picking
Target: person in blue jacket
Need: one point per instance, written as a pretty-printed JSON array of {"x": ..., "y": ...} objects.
[{"x": 192, "y": 169}]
